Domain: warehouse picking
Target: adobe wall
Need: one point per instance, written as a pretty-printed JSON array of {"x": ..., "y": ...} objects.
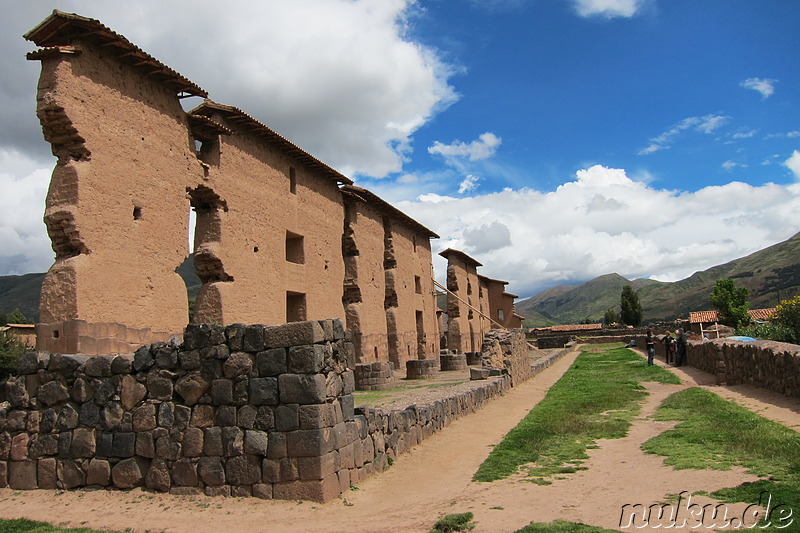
[
  {"x": 250, "y": 269},
  {"x": 116, "y": 211},
  {"x": 767, "y": 364},
  {"x": 415, "y": 313},
  {"x": 238, "y": 410},
  {"x": 365, "y": 284},
  {"x": 464, "y": 333},
  {"x": 270, "y": 217}
]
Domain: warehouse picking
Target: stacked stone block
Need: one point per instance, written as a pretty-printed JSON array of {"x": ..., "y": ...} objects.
[
  {"x": 421, "y": 368},
  {"x": 374, "y": 376},
  {"x": 767, "y": 364},
  {"x": 451, "y": 361},
  {"x": 237, "y": 410},
  {"x": 507, "y": 349}
]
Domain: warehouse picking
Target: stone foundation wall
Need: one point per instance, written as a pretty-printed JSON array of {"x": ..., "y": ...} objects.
[
  {"x": 264, "y": 411},
  {"x": 768, "y": 364},
  {"x": 507, "y": 349},
  {"x": 374, "y": 376}
]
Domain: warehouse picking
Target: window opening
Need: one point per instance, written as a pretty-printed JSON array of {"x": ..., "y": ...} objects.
[
  {"x": 295, "y": 306},
  {"x": 294, "y": 248}
]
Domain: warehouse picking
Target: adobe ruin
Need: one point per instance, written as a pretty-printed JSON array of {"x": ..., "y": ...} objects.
[{"x": 276, "y": 240}]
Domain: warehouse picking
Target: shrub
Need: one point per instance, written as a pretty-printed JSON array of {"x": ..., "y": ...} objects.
[
  {"x": 10, "y": 352},
  {"x": 787, "y": 315},
  {"x": 454, "y": 522}
]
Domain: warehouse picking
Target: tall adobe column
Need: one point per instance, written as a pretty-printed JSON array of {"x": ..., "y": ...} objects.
[{"x": 116, "y": 210}]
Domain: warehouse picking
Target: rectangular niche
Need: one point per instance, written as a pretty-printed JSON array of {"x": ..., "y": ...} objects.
[
  {"x": 294, "y": 248},
  {"x": 295, "y": 306}
]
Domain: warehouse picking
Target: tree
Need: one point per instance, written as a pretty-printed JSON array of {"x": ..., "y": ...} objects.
[
  {"x": 731, "y": 302},
  {"x": 631, "y": 309},
  {"x": 610, "y": 317},
  {"x": 787, "y": 315},
  {"x": 16, "y": 317}
]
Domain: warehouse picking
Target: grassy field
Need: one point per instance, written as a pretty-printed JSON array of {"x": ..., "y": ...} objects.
[
  {"x": 715, "y": 433},
  {"x": 23, "y": 525},
  {"x": 595, "y": 399}
]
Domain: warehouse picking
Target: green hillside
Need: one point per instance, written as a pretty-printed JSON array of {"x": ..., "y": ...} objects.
[{"x": 771, "y": 275}]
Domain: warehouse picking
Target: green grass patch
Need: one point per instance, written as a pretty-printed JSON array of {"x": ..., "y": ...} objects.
[
  {"x": 374, "y": 398},
  {"x": 595, "y": 399},
  {"x": 454, "y": 522},
  {"x": 23, "y": 525},
  {"x": 560, "y": 526},
  {"x": 716, "y": 433}
]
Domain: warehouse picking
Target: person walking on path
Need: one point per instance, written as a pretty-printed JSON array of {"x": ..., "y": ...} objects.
[
  {"x": 669, "y": 349},
  {"x": 650, "y": 343},
  {"x": 680, "y": 343}
]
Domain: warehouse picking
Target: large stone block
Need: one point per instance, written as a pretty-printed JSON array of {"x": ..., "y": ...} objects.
[
  {"x": 202, "y": 416},
  {"x": 238, "y": 364},
  {"x": 255, "y": 442},
  {"x": 53, "y": 393},
  {"x": 22, "y": 475},
  {"x": 302, "y": 388},
  {"x": 306, "y": 359},
  {"x": 83, "y": 443},
  {"x": 144, "y": 417},
  {"x": 287, "y": 417},
  {"x": 320, "y": 491},
  {"x": 46, "y": 473},
  {"x": 159, "y": 385},
  {"x": 232, "y": 441},
  {"x": 264, "y": 391},
  {"x": 222, "y": 391},
  {"x": 98, "y": 366},
  {"x": 98, "y": 472},
  {"x": 193, "y": 442},
  {"x": 31, "y": 362},
  {"x": 311, "y": 468},
  {"x": 254, "y": 339},
  {"x": 315, "y": 416},
  {"x": 211, "y": 471},
  {"x": 129, "y": 473},
  {"x": 243, "y": 470},
  {"x": 158, "y": 476},
  {"x": 19, "y": 447},
  {"x": 131, "y": 392},
  {"x": 310, "y": 442},
  {"x": 124, "y": 444},
  {"x": 191, "y": 387},
  {"x": 271, "y": 362},
  {"x": 294, "y": 334},
  {"x": 70, "y": 474},
  {"x": 184, "y": 473}
]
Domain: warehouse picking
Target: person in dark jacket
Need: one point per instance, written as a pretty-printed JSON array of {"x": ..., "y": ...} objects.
[
  {"x": 650, "y": 344},
  {"x": 680, "y": 344},
  {"x": 669, "y": 349}
]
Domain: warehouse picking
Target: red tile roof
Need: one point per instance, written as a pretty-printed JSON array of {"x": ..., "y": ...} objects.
[
  {"x": 696, "y": 317},
  {"x": 572, "y": 327}
]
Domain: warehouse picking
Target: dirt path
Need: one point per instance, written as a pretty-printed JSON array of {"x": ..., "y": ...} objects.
[{"x": 432, "y": 480}]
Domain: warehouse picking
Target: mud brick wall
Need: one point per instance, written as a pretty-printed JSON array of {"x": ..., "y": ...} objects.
[
  {"x": 507, "y": 349},
  {"x": 237, "y": 410},
  {"x": 768, "y": 364}
]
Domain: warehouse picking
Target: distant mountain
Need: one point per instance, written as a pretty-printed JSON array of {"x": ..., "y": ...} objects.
[
  {"x": 22, "y": 292},
  {"x": 771, "y": 275}
]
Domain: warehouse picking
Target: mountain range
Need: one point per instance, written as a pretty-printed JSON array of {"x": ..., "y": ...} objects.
[{"x": 771, "y": 275}]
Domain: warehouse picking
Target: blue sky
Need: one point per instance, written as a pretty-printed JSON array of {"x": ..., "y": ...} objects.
[{"x": 553, "y": 140}]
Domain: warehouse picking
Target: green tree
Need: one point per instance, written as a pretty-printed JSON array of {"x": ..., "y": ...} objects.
[
  {"x": 631, "y": 309},
  {"x": 16, "y": 317},
  {"x": 787, "y": 315},
  {"x": 731, "y": 302},
  {"x": 610, "y": 317}
]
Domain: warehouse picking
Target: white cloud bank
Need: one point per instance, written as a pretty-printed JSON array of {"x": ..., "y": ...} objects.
[
  {"x": 604, "y": 222},
  {"x": 608, "y": 8},
  {"x": 341, "y": 78},
  {"x": 764, "y": 86}
]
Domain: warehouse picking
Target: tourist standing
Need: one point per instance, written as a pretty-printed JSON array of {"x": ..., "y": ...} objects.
[
  {"x": 650, "y": 343},
  {"x": 680, "y": 344},
  {"x": 669, "y": 349}
]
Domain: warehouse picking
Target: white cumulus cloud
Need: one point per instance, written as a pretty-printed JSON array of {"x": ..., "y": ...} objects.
[
  {"x": 484, "y": 147},
  {"x": 793, "y": 164},
  {"x": 468, "y": 184},
  {"x": 608, "y": 8},
  {"x": 603, "y": 221},
  {"x": 765, "y": 86}
]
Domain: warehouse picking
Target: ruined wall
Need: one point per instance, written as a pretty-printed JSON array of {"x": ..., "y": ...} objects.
[
  {"x": 767, "y": 364},
  {"x": 116, "y": 211},
  {"x": 237, "y": 410},
  {"x": 365, "y": 280},
  {"x": 507, "y": 349},
  {"x": 415, "y": 315},
  {"x": 277, "y": 254},
  {"x": 465, "y": 324}
]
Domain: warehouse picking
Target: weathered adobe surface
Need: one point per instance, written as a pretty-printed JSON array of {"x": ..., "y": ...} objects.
[
  {"x": 132, "y": 164},
  {"x": 263, "y": 411}
]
